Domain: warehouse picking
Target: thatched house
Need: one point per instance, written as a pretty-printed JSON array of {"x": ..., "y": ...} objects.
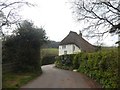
[{"x": 74, "y": 43}]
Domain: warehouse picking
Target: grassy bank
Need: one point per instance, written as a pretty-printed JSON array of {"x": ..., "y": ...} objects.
[{"x": 16, "y": 80}]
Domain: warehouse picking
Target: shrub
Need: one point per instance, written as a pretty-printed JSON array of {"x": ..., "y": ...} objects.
[
  {"x": 58, "y": 62},
  {"x": 65, "y": 62},
  {"x": 76, "y": 61}
]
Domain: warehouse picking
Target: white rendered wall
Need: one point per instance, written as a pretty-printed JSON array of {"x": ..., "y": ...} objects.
[{"x": 70, "y": 49}]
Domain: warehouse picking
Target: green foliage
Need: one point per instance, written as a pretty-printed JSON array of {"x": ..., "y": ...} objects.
[
  {"x": 101, "y": 66},
  {"x": 76, "y": 61},
  {"x": 24, "y": 47},
  {"x": 65, "y": 62},
  {"x": 58, "y": 62},
  {"x": 67, "y": 59},
  {"x": 48, "y": 60}
]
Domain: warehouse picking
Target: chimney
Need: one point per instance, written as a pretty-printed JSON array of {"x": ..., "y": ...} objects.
[{"x": 80, "y": 33}]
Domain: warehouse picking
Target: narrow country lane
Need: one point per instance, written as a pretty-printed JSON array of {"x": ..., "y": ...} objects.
[{"x": 58, "y": 78}]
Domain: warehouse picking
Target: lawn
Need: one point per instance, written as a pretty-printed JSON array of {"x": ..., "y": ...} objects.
[{"x": 16, "y": 80}]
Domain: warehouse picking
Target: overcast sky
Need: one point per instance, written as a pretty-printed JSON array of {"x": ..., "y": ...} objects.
[{"x": 57, "y": 19}]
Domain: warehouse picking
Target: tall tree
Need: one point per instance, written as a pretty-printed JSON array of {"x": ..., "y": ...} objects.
[
  {"x": 24, "y": 47},
  {"x": 100, "y": 16}
]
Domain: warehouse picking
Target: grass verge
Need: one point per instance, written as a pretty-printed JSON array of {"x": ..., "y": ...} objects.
[{"x": 16, "y": 80}]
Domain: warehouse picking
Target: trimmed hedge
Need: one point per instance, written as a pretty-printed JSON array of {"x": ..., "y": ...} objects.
[
  {"x": 48, "y": 60},
  {"x": 65, "y": 62},
  {"x": 101, "y": 66}
]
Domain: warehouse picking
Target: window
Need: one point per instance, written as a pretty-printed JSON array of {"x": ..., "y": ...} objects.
[
  {"x": 64, "y": 46},
  {"x": 65, "y": 52},
  {"x": 73, "y": 48}
]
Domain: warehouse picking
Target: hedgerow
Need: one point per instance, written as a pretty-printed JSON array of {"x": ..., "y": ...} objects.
[
  {"x": 48, "y": 60},
  {"x": 102, "y": 66},
  {"x": 23, "y": 47},
  {"x": 65, "y": 62}
]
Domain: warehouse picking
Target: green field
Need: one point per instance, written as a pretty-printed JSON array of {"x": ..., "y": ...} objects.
[
  {"x": 49, "y": 52},
  {"x": 108, "y": 49}
]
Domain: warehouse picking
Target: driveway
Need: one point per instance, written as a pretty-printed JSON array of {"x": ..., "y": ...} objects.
[{"x": 58, "y": 78}]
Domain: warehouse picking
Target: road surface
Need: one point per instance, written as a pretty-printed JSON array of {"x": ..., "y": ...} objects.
[{"x": 58, "y": 78}]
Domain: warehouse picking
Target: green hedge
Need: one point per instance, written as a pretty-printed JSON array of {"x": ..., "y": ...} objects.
[
  {"x": 48, "y": 60},
  {"x": 23, "y": 47},
  {"x": 101, "y": 66},
  {"x": 65, "y": 62}
]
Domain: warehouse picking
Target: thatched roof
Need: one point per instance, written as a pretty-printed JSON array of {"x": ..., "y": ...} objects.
[{"x": 74, "y": 38}]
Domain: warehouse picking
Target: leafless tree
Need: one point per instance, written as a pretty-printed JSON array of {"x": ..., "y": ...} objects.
[
  {"x": 9, "y": 12},
  {"x": 100, "y": 16}
]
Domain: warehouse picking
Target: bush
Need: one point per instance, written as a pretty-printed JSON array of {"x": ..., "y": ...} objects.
[
  {"x": 76, "y": 61},
  {"x": 65, "y": 62},
  {"x": 58, "y": 62}
]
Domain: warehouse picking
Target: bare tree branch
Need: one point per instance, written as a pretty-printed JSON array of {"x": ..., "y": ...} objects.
[
  {"x": 110, "y": 5},
  {"x": 102, "y": 13},
  {"x": 100, "y": 17},
  {"x": 13, "y": 3},
  {"x": 11, "y": 16}
]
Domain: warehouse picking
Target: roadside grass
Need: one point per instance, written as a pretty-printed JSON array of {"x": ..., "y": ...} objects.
[{"x": 16, "y": 80}]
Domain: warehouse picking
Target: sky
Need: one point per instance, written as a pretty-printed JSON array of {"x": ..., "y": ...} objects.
[{"x": 56, "y": 17}]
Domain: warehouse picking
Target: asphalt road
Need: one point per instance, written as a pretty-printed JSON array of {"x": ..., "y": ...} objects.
[{"x": 58, "y": 78}]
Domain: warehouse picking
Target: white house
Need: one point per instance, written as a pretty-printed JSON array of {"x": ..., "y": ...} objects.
[
  {"x": 74, "y": 43},
  {"x": 68, "y": 49}
]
